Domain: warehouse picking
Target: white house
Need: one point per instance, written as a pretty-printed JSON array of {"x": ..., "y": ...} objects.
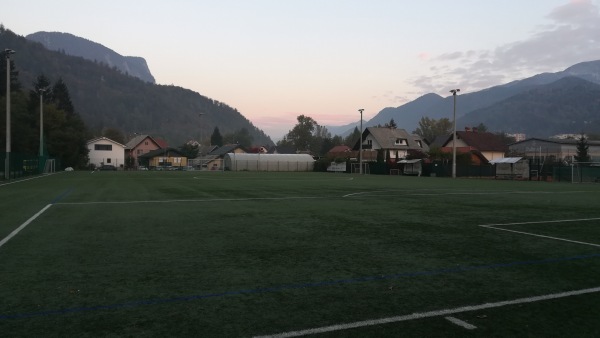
[{"x": 106, "y": 151}]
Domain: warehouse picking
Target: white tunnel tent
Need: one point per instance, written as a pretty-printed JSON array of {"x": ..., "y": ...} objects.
[{"x": 268, "y": 162}]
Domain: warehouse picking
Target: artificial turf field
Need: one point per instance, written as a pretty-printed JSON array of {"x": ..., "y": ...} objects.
[{"x": 243, "y": 254}]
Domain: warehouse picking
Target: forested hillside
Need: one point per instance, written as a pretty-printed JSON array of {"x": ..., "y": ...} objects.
[{"x": 106, "y": 98}]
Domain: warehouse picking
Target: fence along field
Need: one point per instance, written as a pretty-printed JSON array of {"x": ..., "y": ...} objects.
[{"x": 254, "y": 254}]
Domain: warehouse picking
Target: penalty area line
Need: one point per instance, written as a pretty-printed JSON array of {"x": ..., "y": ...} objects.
[
  {"x": 22, "y": 226},
  {"x": 497, "y": 227},
  {"x": 430, "y": 314}
]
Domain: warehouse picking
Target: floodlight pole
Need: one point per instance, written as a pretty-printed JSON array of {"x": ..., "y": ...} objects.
[
  {"x": 454, "y": 91},
  {"x": 42, "y": 90},
  {"x": 200, "y": 116},
  {"x": 7, "y": 159},
  {"x": 360, "y": 170}
]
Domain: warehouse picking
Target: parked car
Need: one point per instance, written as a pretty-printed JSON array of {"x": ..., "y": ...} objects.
[
  {"x": 142, "y": 168},
  {"x": 107, "y": 167}
]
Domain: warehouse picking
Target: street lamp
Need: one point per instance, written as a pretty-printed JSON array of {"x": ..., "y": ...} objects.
[
  {"x": 7, "y": 52},
  {"x": 360, "y": 171},
  {"x": 454, "y": 91}
]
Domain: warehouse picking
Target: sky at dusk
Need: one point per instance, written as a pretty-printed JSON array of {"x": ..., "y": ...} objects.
[{"x": 276, "y": 59}]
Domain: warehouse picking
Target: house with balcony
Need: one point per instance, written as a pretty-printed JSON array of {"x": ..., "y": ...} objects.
[{"x": 396, "y": 144}]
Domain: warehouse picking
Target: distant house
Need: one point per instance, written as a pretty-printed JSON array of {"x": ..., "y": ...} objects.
[
  {"x": 395, "y": 143},
  {"x": 214, "y": 159},
  {"x": 140, "y": 145},
  {"x": 559, "y": 149},
  {"x": 476, "y": 157},
  {"x": 490, "y": 145},
  {"x": 163, "y": 159},
  {"x": 103, "y": 150},
  {"x": 341, "y": 151}
]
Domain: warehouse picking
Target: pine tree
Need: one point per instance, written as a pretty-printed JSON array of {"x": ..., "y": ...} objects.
[
  {"x": 582, "y": 150},
  {"x": 216, "y": 139},
  {"x": 61, "y": 97}
]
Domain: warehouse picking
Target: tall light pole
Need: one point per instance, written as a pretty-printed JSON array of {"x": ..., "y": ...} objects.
[
  {"x": 360, "y": 171},
  {"x": 200, "y": 115},
  {"x": 454, "y": 91},
  {"x": 7, "y": 159},
  {"x": 42, "y": 90}
]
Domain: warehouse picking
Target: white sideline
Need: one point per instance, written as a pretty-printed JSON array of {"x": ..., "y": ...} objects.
[
  {"x": 26, "y": 179},
  {"x": 22, "y": 226},
  {"x": 494, "y": 227},
  {"x": 430, "y": 314},
  {"x": 194, "y": 201}
]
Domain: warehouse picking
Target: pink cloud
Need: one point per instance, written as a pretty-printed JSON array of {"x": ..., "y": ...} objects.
[{"x": 423, "y": 56}]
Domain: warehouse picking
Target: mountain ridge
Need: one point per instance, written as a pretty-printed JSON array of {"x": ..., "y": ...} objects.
[
  {"x": 77, "y": 46},
  {"x": 407, "y": 115},
  {"x": 106, "y": 98}
]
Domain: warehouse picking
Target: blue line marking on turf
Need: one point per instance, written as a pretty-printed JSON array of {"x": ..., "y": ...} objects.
[
  {"x": 62, "y": 195},
  {"x": 295, "y": 286}
]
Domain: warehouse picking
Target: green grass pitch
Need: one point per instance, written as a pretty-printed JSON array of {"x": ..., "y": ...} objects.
[{"x": 243, "y": 254}]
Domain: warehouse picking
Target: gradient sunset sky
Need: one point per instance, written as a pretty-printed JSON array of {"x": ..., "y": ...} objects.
[{"x": 276, "y": 59}]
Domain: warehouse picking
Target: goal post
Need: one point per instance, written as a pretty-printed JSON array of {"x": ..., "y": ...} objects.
[
  {"x": 585, "y": 172},
  {"x": 355, "y": 168}
]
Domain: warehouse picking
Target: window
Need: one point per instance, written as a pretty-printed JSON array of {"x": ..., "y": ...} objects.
[
  {"x": 140, "y": 151},
  {"x": 103, "y": 147},
  {"x": 108, "y": 160},
  {"x": 401, "y": 142},
  {"x": 146, "y": 143},
  {"x": 369, "y": 142},
  {"x": 419, "y": 143}
]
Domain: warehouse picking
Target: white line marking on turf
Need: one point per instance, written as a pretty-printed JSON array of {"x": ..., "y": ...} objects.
[
  {"x": 26, "y": 179},
  {"x": 462, "y": 323},
  {"x": 430, "y": 314},
  {"x": 404, "y": 193},
  {"x": 495, "y": 227},
  {"x": 541, "y": 222},
  {"x": 22, "y": 226},
  {"x": 198, "y": 200}
]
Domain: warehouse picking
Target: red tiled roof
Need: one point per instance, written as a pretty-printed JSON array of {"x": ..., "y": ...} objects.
[{"x": 340, "y": 149}]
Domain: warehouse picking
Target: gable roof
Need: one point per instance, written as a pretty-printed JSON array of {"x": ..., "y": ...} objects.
[
  {"x": 340, "y": 149},
  {"x": 228, "y": 148},
  {"x": 204, "y": 150},
  {"x": 162, "y": 152},
  {"x": 386, "y": 137},
  {"x": 483, "y": 141},
  {"x": 134, "y": 142},
  {"x": 106, "y": 139}
]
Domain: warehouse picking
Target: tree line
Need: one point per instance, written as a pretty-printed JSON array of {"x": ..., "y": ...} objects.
[{"x": 65, "y": 133}]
